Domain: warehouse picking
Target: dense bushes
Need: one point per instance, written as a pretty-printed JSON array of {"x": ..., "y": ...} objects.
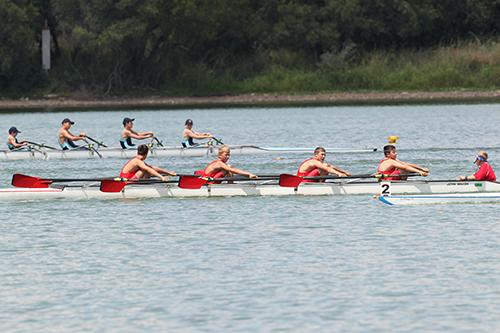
[{"x": 210, "y": 46}]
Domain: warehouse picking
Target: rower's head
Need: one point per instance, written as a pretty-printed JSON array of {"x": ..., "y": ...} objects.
[
  {"x": 188, "y": 124},
  {"x": 143, "y": 150},
  {"x": 13, "y": 131},
  {"x": 224, "y": 153},
  {"x": 320, "y": 154},
  {"x": 128, "y": 122},
  {"x": 390, "y": 151},
  {"x": 481, "y": 157},
  {"x": 67, "y": 123}
]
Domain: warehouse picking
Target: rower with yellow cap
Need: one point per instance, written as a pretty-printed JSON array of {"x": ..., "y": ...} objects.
[
  {"x": 392, "y": 166},
  {"x": 485, "y": 171}
]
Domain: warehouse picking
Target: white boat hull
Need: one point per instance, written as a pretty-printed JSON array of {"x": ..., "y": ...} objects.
[
  {"x": 438, "y": 199},
  {"x": 267, "y": 188},
  {"x": 43, "y": 154}
]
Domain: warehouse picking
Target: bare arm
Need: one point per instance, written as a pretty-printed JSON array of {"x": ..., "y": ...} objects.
[
  {"x": 15, "y": 144},
  {"x": 152, "y": 170},
  {"x": 331, "y": 169},
  {"x": 409, "y": 167},
  {"x": 236, "y": 170},
  {"x": 196, "y": 135},
  {"x": 136, "y": 135},
  {"x": 414, "y": 166},
  {"x": 68, "y": 135},
  {"x": 163, "y": 171}
]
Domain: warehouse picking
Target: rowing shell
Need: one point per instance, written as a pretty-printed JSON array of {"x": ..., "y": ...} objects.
[
  {"x": 265, "y": 188},
  {"x": 440, "y": 198},
  {"x": 42, "y": 153}
]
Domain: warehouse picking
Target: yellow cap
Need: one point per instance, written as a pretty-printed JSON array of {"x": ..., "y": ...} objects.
[{"x": 392, "y": 139}]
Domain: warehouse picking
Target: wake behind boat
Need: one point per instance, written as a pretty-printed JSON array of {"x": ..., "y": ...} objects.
[
  {"x": 439, "y": 199},
  {"x": 254, "y": 188},
  {"x": 43, "y": 153}
]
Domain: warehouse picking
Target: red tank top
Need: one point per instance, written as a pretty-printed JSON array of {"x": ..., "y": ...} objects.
[
  {"x": 129, "y": 175},
  {"x": 391, "y": 171},
  {"x": 215, "y": 174},
  {"x": 311, "y": 173}
]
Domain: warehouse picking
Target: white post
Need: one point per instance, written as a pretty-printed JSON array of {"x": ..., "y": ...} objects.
[{"x": 46, "y": 47}]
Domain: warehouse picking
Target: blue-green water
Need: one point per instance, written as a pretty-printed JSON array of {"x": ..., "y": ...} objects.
[{"x": 256, "y": 264}]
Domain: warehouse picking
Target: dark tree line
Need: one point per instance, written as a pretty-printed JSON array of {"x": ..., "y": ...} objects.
[{"x": 120, "y": 45}]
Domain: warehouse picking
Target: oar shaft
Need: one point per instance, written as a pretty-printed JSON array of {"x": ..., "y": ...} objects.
[
  {"x": 98, "y": 142},
  {"x": 369, "y": 175},
  {"x": 243, "y": 178},
  {"x": 42, "y": 145},
  {"x": 64, "y": 180},
  {"x": 91, "y": 147}
]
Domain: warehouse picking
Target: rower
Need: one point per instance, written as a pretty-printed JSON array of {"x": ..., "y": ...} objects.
[
  {"x": 220, "y": 169},
  {"x": 66, "y": 138},
  {"x": 12, "y": 142},
  {"x": 392, "y": 166},
  {"x": 189, "y": 134},
  {"x": 128, "y": 133},
  {"x": 317, "y": 167},
  {"x": 136, "y": 168},
  {"x": 485, "y": 171}
]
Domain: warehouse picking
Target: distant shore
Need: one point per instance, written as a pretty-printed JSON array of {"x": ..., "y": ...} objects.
[{"x": 84, "y": 102}]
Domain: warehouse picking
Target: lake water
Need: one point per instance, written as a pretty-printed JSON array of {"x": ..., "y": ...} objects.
[{"x": 256, "y": 264}]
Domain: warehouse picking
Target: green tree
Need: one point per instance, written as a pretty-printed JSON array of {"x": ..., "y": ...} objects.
[{"x": 20, "y": 66}]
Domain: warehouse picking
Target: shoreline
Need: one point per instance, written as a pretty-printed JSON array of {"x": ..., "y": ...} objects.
[{"x": 60, "y": 102}]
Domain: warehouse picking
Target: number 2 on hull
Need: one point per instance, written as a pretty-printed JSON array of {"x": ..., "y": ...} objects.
[{"x": 385, "y": 189}]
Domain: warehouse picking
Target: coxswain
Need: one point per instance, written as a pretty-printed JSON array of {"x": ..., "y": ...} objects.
[
  {"x": 12, "y": 142},
  {"x": 485, "y": 171},
  {"x": 316, "y": 166},
  {"x": 136, "y": 168},
  {"x": 66, "y": 138},
  {"x": 128, "y": 133},
  {"x": 189, "y": 134},
  {"x": 220, "y": 169},
  {"x": 392, "y": 166}
]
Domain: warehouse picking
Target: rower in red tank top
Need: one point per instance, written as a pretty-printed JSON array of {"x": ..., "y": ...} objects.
[
  {"x": 316, "y": 167},
  {"x": 392, "y": 166},
  {"x": 132, "y": 174},
  {"x": 136, "y": 168},
  {"x": 220, "y": 169}
]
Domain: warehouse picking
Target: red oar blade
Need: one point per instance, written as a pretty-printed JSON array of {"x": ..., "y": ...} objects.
[
  {"x": 112, "y": 186},
  {"x": 19, "y": 180},
  {"x": 290, "y": 180},
  {"x": 191, "y": 182}
]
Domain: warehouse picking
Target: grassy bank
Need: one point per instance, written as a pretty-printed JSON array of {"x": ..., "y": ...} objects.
[{"x": 472, "y": 65}]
